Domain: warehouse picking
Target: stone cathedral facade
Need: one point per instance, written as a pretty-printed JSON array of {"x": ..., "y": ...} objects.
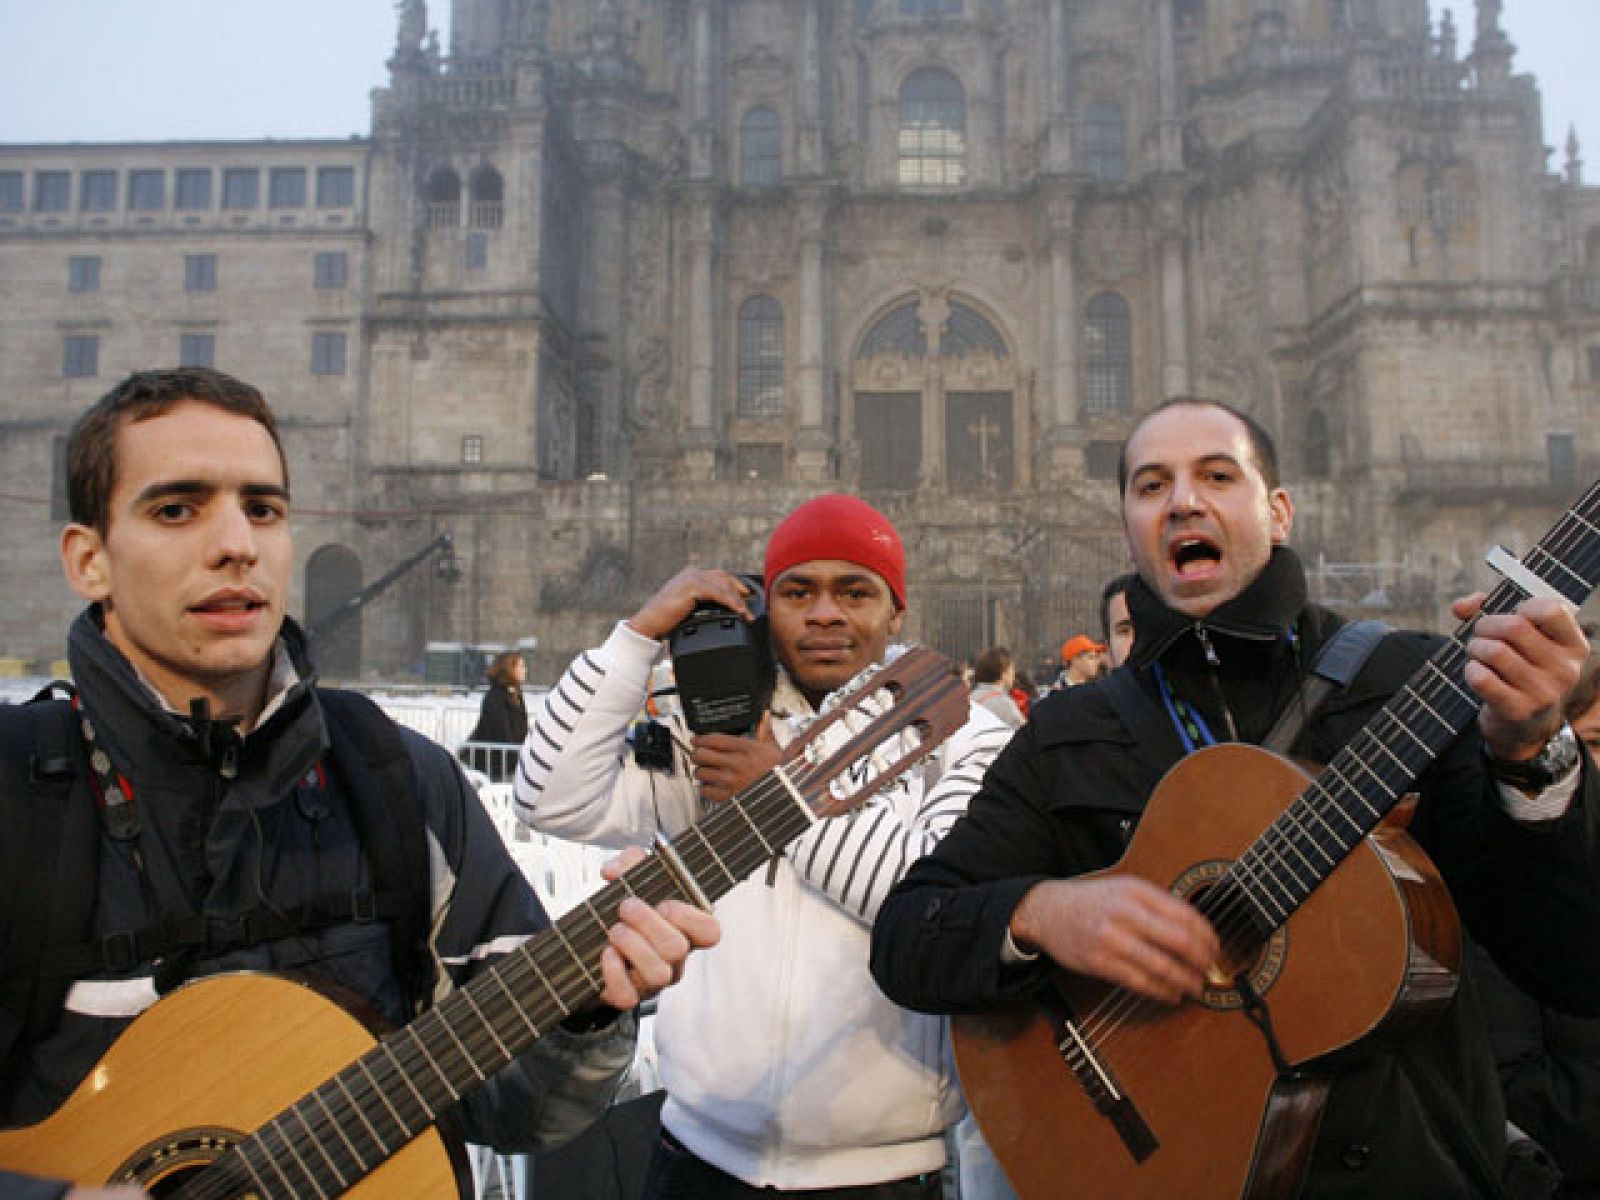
[{"x": 613, "y": 284}]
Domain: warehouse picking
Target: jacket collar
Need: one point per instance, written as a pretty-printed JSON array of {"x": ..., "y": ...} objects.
[
  {"x": 1264, "y": 612},
  {"x": 136, "y": 725}
]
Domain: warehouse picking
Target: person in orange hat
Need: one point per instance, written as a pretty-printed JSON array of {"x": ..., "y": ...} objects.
[
  {"x": 786, "y": 1069},
  {"x": 1082, "y": 659}
]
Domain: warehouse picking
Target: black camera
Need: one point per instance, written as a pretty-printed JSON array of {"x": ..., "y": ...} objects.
[
  {"x": 723, "y": 665},
  {"x": 652, "y": 746}
]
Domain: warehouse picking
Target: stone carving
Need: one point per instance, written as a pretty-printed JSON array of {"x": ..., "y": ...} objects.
[
  {"x": 412, "y": 26},
  {"x": 651, "y": 371},
  {"x": 1112, "y": 243}
]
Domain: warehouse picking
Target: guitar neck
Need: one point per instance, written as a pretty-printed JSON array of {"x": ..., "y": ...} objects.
[
  {"x": 346, "y": 1128},
  {"x": 1368, "y": 777}
]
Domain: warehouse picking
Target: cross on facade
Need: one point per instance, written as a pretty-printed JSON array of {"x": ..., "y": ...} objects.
[{"x": 983, "y": 429}]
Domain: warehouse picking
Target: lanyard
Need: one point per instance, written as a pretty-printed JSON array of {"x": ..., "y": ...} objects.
[
  {"x": 1186, "y": 719},
  {"x": 113, "y": 789}
]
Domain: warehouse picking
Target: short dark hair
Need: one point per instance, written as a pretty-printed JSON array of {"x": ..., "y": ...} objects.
[
  {"x": 1113, "y": 589},
  {"x": 1261, "y": 443},
  {"x": 92, "y": 444},
  {"x": 989, "y": 666}
]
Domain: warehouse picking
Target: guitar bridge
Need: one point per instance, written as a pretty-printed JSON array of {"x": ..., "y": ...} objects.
[{"x": 1096, "y": 1078}]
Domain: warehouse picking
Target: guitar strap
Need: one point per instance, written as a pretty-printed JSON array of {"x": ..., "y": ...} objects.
[{"x": 1340, "y": 661}]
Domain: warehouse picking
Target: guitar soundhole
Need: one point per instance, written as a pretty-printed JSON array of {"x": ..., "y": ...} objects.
[
  {"x": 1246, "y": 950},
  {"x": 161, "y": 1167}
]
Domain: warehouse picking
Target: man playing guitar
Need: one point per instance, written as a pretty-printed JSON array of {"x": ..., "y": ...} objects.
[{"x": 1005, "y": 908}]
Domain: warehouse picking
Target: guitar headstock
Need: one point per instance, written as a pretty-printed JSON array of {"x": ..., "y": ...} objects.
[{"x": 916, "y": 702}]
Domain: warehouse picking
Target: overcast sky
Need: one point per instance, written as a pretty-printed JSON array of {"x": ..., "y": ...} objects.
[{"x": 161, "y": 70}]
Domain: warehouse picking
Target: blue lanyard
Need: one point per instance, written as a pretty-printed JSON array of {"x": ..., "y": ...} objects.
[{"x": 1186, "y": 719}]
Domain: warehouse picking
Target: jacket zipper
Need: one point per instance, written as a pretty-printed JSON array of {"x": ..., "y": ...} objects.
[{"x": 1213, "y": 673}]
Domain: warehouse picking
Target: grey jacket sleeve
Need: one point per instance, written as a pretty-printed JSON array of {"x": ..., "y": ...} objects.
[
  {"x": 483, "y": 907},
  {"x": 26, "y": 1187}
]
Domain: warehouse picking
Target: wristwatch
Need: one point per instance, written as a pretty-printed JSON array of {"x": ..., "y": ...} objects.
[{"x": 1554, "y": 763}]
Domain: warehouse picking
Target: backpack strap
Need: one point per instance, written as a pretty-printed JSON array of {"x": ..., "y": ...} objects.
[
  {"x": 48, "y": 843},
  {"x": 1340, "y": 660},
  {"x": 372, "y": 761}
]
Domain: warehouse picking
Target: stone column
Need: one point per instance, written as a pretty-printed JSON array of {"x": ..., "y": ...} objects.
[
  {"x": 1174, "y": 318},
  {"x": 1058, "y": 147},
  {"x": 813, "y": 445},
  {"x": 700, "y": 434},
  {"x": 702, "y": 75},
  {"x": 808, "y": 120},
  {"x": 1062, "y": 412},
  {"x": 604, "y": 321},
  {"x": 1169, "y": 126}
]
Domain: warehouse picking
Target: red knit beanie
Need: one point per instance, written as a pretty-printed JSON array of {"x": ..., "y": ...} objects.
[{"x": 842, "y": 527}]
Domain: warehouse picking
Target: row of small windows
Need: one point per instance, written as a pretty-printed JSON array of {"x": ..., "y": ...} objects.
[
  {"x": 81, "y": 353},
  {"x": 932, "y": 138},
  {"x": 192, "y": 189},
  {"x": 330, "y": 269}
]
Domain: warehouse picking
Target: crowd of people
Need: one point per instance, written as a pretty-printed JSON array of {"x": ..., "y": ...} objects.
[{"x": 196, "y": 805}]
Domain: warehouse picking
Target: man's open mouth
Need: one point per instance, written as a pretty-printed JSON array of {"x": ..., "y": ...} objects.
[{"x": 1193, "y": 554}]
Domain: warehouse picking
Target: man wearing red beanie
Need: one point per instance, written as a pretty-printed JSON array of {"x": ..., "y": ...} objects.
[{"x": 786, "y": 1070}]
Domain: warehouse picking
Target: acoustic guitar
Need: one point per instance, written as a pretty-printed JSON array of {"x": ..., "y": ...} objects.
[
  {"x": 251, "y": 1085},
  {"x": 1334, "y": 925}
]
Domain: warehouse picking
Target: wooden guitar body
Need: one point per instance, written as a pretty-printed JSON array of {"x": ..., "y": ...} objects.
[
  {"x": 213, "y": 1061},
  {"x": 1375, "y": 946}
]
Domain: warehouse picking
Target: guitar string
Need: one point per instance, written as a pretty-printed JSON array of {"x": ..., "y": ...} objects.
[
  {"x": 1558, "y": 547},
  {"x": 1108, "y": 1010},
  {"x": 566, "y": 978},
  {"x": 586, "y": 945},
  {"x": 1229, "y": 914}
]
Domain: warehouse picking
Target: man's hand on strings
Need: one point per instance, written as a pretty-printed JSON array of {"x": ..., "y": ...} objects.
[
  {"x": 1522, "y": 664},
  {"x": 1121, "y": 929},
  {"x": 647, "y": 947}
]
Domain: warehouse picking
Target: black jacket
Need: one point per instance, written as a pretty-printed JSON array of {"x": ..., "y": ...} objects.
[
  {"x": 230, "y": 825},
  {"x": 1065, "y": 795},
  {"x": 1550, "y": 1070},
  {"x": 502, "y": 721}
]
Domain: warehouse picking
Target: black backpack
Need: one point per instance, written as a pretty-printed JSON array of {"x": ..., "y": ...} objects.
[{"x": 49, "y": 846}]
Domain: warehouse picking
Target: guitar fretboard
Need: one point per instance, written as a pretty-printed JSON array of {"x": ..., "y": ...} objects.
[
  {"x": 339, "y": 1133},
  {"x": 1368, "y": 777}
]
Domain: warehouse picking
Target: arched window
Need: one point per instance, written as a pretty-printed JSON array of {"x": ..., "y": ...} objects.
[
  {"x": 1105, "y": 153},
  {"x": 967, "y": 330},
  {"x": 1107, "y": 356},
  {"x": 933, "y": 130},
  {"x": 760, "y": 142},
  {"x": 1591, "y": 252},
  {"x": 897, "y": 330},
  {"x": 488, "y": 199},
  {"x": 444, "y": 199},
  {"x": 333, "y": 578},
  {"x": 1317, "y": 453},
  {"x": 760, "y": 357}
]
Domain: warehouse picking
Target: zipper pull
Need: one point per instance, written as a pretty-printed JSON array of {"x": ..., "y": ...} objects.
[
  {"x": 1205, "y": 644},
  {"x": 228, "y": 764}
]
